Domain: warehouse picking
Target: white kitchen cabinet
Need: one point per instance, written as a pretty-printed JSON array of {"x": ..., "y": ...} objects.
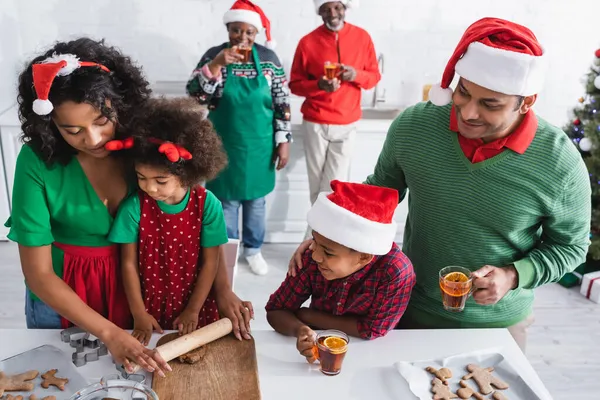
[
  {"x": 10, "y": 145},
  {"x": 10, "y": 133}
]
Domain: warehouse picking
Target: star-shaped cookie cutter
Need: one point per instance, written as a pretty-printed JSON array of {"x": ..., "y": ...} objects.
[{"x": 82, "y": 341}]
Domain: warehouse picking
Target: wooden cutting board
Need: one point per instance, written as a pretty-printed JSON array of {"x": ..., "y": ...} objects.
[{"x": 228, "y": 370}]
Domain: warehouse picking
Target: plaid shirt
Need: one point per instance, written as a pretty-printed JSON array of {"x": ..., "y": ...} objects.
[{"x": 377, "y": 294}]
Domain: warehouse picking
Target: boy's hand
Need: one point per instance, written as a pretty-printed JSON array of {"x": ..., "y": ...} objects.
[
  {"x": 187, "y": 322},
  {"x": 143, "y": 324},
  {"x": 305, "y": 342}
]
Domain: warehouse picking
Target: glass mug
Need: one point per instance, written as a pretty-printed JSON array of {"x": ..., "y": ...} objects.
[
  {"x": 456, "y": 285},
  {"x": 245, "y": 52},
  {"x": 332, "y": 70},
  {"x": 330, "y": 349}
]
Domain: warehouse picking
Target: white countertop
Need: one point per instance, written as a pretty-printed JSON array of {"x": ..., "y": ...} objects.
[{"x": 367, "y": 372}]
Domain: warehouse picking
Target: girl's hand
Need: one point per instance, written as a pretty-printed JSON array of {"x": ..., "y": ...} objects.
[
  {"x": 126, "y": 349},
  {"x": 143, "y": 325},
  {"x": 187, "y": 322}
]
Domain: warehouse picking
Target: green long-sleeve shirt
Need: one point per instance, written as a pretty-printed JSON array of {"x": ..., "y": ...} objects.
[{"x": 531, "y": 210}]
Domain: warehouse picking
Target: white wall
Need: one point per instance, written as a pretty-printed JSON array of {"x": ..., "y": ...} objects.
[{"x": 416, "y": 37}]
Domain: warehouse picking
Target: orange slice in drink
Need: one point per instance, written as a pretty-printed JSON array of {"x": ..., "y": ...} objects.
[
  {"x": 455, "y": 284},
  {"x": 334, "y": 343},
  {"x": 456, "y": 277}
]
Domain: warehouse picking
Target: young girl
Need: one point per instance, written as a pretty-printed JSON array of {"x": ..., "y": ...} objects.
[{"x": 172, "y": 228}]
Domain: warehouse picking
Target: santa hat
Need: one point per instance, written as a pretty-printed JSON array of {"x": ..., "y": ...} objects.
[
  {"x": 347, "y": 3},
  {"x": 250, "y": 13},
  {"x": 357, "y": 216},
  {"x": 499, "y": 55},
  {"x": 44, "y": 73}
]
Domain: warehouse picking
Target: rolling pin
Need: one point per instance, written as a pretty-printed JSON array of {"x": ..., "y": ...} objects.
[{"x": 191, "y": 341}]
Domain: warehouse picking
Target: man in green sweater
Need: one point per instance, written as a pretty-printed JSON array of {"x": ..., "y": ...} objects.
[{"x": 491, "y": 186}]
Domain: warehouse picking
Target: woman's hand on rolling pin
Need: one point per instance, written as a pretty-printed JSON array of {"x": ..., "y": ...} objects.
[
  {"x": 187, "y": 322},
  {"x": 282, "y": 155},
  {"x": 126, "y": 349},
  {"x": 239, "y": 312},
  {"x": 228, "y": 56},
  {"x": 143, "y": 325},
  {"x": 295, "y": 264}
]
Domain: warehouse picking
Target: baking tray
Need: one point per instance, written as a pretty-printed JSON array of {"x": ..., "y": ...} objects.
[
  {"x": 419, "y": 380},
  {"x": 42, "y": 359}
]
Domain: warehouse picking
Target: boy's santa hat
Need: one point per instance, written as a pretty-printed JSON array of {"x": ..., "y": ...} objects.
[
  {"x": 44, "y": 73},
  {"x": 497, "y": 54},
  {"x": 358, "y": 216},
  {"x": 347, "y": 3},
  {"x": 250, "y": 13}
]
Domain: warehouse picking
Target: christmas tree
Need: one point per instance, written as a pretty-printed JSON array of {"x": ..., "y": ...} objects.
[{"x": 584, "y": 130}]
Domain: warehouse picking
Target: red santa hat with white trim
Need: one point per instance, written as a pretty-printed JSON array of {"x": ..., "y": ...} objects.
[
  {"x": 347, "y": 3},
  {"x": 248, "y": 12},
  {"x": 358, "y": 216},
  {"x": 498, "y": 55},
  {"x": 44, "y": 73}
]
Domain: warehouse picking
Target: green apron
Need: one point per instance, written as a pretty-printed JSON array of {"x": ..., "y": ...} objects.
[{"x": 244, "y": 121}]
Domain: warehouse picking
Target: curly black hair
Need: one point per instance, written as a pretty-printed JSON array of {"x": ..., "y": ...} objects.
[
  {"x": 181, "y": 121},
  {"x": 125, "y": 86}
]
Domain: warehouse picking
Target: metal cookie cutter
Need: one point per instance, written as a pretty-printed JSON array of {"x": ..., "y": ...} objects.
[
  {"x": 80, "y": 340},
  {"x": 140, "y": 378}
]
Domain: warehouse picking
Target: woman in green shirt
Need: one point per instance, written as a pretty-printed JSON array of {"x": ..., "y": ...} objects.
[{"x": 67, "y": 190}]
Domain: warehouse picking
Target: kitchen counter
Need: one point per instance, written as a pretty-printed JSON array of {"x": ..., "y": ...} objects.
[{"x": 367, "y": 372}]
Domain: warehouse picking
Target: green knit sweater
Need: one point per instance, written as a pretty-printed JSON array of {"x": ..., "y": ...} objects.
[{"x": 531, "y": 210}]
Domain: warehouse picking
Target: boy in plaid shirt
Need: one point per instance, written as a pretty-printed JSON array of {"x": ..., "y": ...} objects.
[{"x": 358, "y": 279}]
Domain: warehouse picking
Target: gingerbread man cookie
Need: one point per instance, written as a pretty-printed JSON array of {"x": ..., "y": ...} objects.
[
  {"x": 11, "y": 397},
  {"x": 441, "y": 391},
  {"x": 443, "y": 374},
  {"x": 466, "y": 392},
  {"x": 34, "y": 397},
  {"x": 17, "y": 383},
  {"x": 50, "y": 379},
  {"x": 499, "y": 396},
  {"x": 484, "y": 379}
]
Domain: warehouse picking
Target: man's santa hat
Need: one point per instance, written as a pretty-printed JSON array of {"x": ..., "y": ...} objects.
[
  {"x": 44, "y": 73},
  {"x": 499, "y": 55},
  {"x": 347, "y": 3},
  {"x": 357, "y": 216},
  {"x": 250, "y": 13}
]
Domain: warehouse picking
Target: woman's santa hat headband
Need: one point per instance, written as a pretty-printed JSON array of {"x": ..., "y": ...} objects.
[
  {"x": 497, "y": 54},
  {"x": 44, "y": 73},
  {"x": 250, "y": 13}
]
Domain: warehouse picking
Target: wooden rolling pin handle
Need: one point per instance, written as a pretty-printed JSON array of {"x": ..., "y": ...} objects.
[{"x": 191, "y": 341}]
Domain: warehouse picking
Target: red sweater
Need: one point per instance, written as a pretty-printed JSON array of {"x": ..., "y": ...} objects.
[{"x": 356, "y": 49}]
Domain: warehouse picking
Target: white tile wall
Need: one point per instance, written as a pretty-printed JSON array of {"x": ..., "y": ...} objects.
[{"x": 416, "y": 37}]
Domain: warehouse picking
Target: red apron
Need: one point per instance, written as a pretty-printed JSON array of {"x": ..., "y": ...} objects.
[
  {"x": 170, "y": 259},
  {"x": 94, "y": 274}
]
